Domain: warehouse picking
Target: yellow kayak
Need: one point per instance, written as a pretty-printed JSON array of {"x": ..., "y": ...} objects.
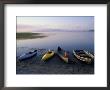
[{"x": 48, "y": 55}]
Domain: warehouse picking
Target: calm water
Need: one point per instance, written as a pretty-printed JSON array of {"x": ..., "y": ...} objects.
[{"x": 67, "y": 40}]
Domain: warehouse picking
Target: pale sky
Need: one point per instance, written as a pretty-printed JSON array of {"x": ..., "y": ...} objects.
[{"x": 45, "y": 23}]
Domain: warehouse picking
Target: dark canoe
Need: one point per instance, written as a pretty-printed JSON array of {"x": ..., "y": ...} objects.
[{"x": 62, "y": 56}]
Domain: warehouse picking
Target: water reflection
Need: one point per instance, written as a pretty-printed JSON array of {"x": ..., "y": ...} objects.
[{"x": 67, "y": 40}]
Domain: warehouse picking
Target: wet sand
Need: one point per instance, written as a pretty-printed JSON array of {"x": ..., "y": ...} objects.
[{"x": 54, "y": 65}]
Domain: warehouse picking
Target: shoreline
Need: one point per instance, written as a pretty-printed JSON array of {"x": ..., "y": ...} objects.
[
  {"x": 54, "y": 65},
  {"x": 29, "y": 35}
]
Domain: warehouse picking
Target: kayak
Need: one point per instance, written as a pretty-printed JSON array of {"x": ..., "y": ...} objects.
[
  {"x": 48, "y": 55},
  {"x": 27, "y": 55},
  {"x": 84, "y": 56},
  {"x": 62, "y": 54}
]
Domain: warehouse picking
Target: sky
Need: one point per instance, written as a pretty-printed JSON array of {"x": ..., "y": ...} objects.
[{"x": 54, "y": 23}]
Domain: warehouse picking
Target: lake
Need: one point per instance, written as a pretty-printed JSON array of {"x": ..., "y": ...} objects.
[{"x": 66, "y": 40}]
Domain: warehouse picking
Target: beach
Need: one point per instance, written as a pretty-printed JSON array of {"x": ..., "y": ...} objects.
[{"x": 54, "y": 65}]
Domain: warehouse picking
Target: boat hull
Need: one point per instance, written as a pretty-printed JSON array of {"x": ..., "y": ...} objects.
[
  {"x": 26, "y": 56},
  {"x": 62, "y": 57},
  {"x": 84, "y": 57},
  {"x": 47, "y": 56}
]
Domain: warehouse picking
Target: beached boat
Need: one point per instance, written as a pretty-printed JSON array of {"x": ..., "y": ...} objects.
[
  {"x": 62, "y": 54},
  {"x": 27, "y": 55},
  {"x": 48, "y": 55},
  {"x": 84, "y": 56}
]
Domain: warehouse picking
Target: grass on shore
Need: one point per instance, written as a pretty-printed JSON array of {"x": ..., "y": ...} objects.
[{"x": 29, "y": 35}]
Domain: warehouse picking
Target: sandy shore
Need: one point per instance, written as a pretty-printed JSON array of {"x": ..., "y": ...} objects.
[{"x": 53, "y": 66}]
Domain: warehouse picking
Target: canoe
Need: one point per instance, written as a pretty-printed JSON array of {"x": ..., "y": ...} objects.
[
  {"x": 63, "y": 55},
  {"x": 27, "y": 55},
  {"x": 84, "y": 56},
  {"x": 48, "y": 55}
]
